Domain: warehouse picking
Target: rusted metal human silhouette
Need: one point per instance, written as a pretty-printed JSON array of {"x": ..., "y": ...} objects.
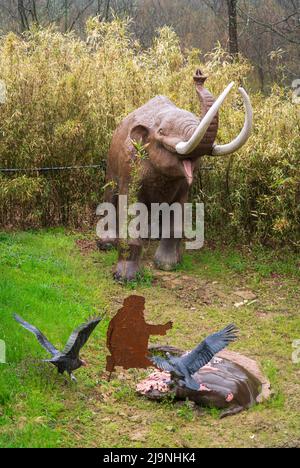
[{"x": 128, "y": 335}]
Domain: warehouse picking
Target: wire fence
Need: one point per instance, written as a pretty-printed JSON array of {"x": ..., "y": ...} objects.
[
  {"x": 66, "y": 168},
  {"x": 34, "y": 197},
  {"x": 48, "y": 169}
]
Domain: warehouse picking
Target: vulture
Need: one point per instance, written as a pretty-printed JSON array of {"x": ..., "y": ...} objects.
[
  {"x": 68, "y": 360},
  {"x": 182, "y": 368}
]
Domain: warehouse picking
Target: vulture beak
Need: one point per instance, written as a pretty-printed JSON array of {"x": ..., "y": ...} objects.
[{"x": 84, "y": 363}]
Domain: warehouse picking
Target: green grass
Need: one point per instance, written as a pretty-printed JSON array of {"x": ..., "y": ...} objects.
[
  {"x": 45, "y": 279},
  {"x": 222, "y": 260}
]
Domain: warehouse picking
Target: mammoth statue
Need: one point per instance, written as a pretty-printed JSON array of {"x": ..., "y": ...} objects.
[{"x": 174, "y": 141}]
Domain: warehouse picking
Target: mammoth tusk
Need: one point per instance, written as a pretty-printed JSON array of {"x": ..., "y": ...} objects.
[
  {"x": 189, "y": 146},
  {"x": 235, "y": 145}
]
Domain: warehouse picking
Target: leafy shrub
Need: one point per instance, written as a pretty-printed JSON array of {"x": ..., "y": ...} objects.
[{"x": 66, "y": 95}]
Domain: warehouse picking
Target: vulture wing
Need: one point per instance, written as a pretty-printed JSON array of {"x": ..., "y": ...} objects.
[
  {"x": 40, "y": 337},
  {"x": 162, "y": 364},
  {"x": 79, "y": 337},
  {"x": 204, "y": 353}
]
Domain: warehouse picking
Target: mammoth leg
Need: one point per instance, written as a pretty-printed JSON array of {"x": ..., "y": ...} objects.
[
  {"x": 129, "y": 261},
  {"x": 169, "y": 252},
  {"x": 232, "y": 411},
  {"x": 130, "y": 250}
]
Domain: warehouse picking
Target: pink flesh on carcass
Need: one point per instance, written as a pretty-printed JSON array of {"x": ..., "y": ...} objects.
[
  {"x": 188, "y": 167},
  {"x": 203, "y": 388}
]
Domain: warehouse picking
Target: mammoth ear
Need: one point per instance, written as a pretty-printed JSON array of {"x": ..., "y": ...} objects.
[{"x": 140, "y": 134}]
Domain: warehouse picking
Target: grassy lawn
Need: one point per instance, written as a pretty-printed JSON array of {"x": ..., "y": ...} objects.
[{"x": 56, "y": 282}]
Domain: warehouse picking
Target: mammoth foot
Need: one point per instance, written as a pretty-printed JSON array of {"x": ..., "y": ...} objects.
[
  {"x": 126, "y": 271},
  {"x": 167, "y": 256}
]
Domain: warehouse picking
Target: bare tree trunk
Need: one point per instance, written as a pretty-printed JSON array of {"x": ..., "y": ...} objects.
[
  {"x": 66, "y": 14},
  {"x": 34, "y": 12},
  {"x": 22, "y": 14},
  {"x": 233, "y": 28},
  {"x": 107, "y": 10}
]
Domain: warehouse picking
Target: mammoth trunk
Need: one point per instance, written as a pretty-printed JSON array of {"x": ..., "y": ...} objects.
[{"x": 209, "y": 119}]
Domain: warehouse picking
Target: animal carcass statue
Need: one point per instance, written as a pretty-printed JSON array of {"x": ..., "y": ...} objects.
[{"x": 174, "y": 140}]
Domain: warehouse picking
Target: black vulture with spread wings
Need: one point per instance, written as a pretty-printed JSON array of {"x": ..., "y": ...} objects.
[
  {"x": 184, "y": 367},
  {"x": 68, "y": 360}
]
